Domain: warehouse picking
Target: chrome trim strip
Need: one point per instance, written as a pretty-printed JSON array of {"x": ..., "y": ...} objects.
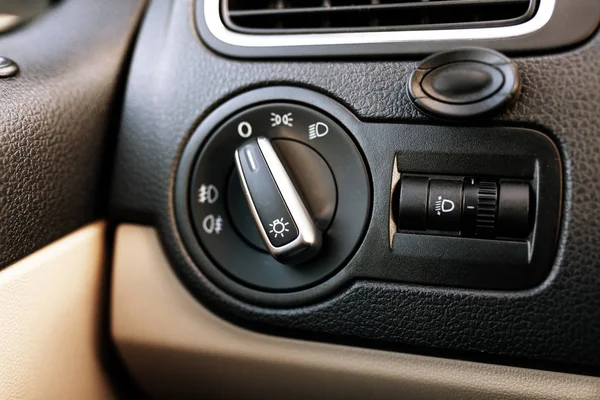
[{"x": 221, "y": 32}]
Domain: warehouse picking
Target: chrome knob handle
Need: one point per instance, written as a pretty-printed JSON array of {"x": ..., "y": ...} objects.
[{"x": 281, "y": 216}]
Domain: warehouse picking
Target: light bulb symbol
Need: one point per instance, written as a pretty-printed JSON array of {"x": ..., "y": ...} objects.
[
  {"x": 443, "y": 205},
  {"x": 285, "y": 119},
  {"x": 317, "y": 130},
  {"x": 278, "y": 227}
]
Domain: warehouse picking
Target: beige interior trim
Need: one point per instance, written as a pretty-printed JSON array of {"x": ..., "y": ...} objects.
[
  {"x": 49, "y": 321},
  {"x": 176, "y": 348}
]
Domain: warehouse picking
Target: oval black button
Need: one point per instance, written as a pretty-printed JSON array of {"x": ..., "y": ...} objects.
[{"x": 462, "y": 82}]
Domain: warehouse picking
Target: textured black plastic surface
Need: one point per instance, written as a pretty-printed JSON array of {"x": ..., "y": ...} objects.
[
  {"x": 557, "y": 321},
  {"x": 54, "y": 115}
]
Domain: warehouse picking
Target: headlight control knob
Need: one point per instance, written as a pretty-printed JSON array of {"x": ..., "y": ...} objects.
[
  {"x": 278, "y": 196},
  {"x": 279, "y": 212}
]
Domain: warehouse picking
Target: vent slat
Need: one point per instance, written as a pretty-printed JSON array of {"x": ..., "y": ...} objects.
[
  {"x": 301, "y": 16},
  {"x": 372, "y": 7}
]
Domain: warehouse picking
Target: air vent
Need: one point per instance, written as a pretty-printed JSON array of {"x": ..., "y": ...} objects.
[{"x": 311, "y": 16}]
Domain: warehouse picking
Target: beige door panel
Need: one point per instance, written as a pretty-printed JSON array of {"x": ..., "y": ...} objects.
[
  {"x": 176, "y": 348},
  {"x": 50, "y": 304}
]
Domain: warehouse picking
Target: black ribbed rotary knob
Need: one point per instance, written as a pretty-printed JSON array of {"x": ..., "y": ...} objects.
[{"x": 480, "y": 208}]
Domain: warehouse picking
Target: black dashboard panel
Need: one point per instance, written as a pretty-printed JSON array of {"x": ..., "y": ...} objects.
[
  {"x": 436, "y": 257},
  {"x": 55, "y": 117},
  {"x": 175, "y": 82}
]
